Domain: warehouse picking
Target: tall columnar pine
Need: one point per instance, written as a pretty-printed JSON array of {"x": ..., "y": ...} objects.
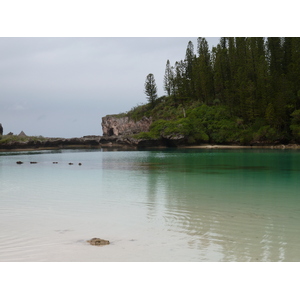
[
  {"x": 203, "y": 73},
  {"x": 189, "y": 63},
  {"x": 180, "y": 81},
  {"x": 168, "y": 78},
  {"x": 151, "y": 89},
  {"x": 294, "y": 69},
  {"x": 221, "y": 72}
]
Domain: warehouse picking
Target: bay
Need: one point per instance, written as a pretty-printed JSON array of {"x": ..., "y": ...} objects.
[{"x": 159, "y": 205}]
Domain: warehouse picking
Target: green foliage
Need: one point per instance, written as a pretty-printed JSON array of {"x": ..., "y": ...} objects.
[
  {"x": 296, "y": 117},
  {"x": 295, "y": 125},
  {"x": 6, "y": 139},
  {"x": 295, "y": 132},
  {"x": 270, "y": 114},
  {"x": 266, "y": 134},
  {"x": 202, "y": 124},
  {"x": 137, "y": 112},
  {"x": 219, "y": 126}
]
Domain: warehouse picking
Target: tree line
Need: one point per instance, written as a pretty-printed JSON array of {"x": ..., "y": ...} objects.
[{"x": 256, "y": 79}]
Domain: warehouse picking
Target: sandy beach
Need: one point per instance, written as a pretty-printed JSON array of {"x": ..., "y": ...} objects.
[{"x": 207, "y": 146}]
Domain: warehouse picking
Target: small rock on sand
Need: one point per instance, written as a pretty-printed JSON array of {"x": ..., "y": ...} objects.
[{"x": 98, "y": 242}]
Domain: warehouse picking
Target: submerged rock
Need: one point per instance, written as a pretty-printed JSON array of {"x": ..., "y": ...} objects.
[{"x": 98, "y": 242}]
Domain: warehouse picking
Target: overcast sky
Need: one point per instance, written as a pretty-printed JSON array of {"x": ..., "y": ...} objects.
[{"x": 62, "y": 87}]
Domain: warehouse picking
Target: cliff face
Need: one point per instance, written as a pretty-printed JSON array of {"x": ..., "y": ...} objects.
[{"x": 124, "y": 126}]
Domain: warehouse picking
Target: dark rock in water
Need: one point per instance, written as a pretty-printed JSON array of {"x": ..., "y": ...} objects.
[
  {"x": 98, "y": 242},
  {"x": 33, "y": 162},
  {"x": 19, "y": 162},
  {"x": 79, "y": 164},
  {"x": 55, "y": 162},
  {"x": 70, "y": 164}
]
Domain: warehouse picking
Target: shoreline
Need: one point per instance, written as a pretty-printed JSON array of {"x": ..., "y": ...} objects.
[
  {"x": 121, "y": 142},
  {"x": 134, "y": 147},
  {"x": 280, "y": 146}
]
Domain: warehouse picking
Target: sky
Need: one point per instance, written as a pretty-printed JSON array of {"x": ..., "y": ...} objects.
[
  {"x": 64, "y": 65},
  {"x": 62, "y": 87}
]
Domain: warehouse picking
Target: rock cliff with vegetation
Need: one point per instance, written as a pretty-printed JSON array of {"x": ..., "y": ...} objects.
[
  {"x": 122, "y": 125},
  {"x": 245, "y": 91}
]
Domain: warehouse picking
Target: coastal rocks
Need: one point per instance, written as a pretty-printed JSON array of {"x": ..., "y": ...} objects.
[
  {"x": 174, "y": 140},
  {"x": 130, "y": 142},
  {"x": 61, "y": 143},
  {"x": 1, "y": 129},
  {"x": 113, "y": 125},
  {"x": 98, "y": 242}
]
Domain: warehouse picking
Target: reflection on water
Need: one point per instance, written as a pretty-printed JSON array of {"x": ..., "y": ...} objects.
[
  {"x": 163, "y": 205},
  {"x": 246, "y": 216}
]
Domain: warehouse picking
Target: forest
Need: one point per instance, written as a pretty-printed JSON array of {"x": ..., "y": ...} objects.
[{"x": 246, "y": 90}]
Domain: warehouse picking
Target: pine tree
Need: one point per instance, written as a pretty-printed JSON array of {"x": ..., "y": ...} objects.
[
  {"x": 188, "y": 73},
  {"x": 221, "y": 72},
  {"x": 278, "y": 80},
  {"x": 168, "y": 78},
  {"x": 180, "y": 81},
  {"x": 294, "y": 69},
  {"x": 204, "y": 74},
  {"x": 151, "y": 89}
]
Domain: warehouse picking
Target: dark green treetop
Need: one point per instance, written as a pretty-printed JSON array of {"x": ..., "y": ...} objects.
[{"x": 151, "y": 89}]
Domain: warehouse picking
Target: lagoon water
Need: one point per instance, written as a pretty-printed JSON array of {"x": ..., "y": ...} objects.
[{"x": 159, "y": 205}]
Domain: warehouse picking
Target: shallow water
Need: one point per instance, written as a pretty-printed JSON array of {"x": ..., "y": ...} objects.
[{"x": 158, "y": 205}]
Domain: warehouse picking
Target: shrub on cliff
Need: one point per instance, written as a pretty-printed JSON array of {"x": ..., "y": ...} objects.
[
  {"x": 199, "y": 123},
  {"x": 188, "y": 128}
]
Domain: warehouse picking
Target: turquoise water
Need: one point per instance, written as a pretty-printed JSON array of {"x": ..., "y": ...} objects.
[{"x": 158, "y": 205}]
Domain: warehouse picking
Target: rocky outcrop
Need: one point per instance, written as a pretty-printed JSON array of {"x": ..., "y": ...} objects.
[
  {"x": 22, "y": 133},
  {"x": 88, "y": 141},
  {"x": 1, "y": 129},
  {"x": 98, "y": 242},
  {"x": 113, "y": 125},
  {"x": 130, "y": 142}
]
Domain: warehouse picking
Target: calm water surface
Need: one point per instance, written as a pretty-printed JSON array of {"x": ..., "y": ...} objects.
[{"x": 164, "y": 205}]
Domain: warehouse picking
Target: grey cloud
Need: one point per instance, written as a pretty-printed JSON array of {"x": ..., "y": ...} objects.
[{"x": 79, "y": 79}]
